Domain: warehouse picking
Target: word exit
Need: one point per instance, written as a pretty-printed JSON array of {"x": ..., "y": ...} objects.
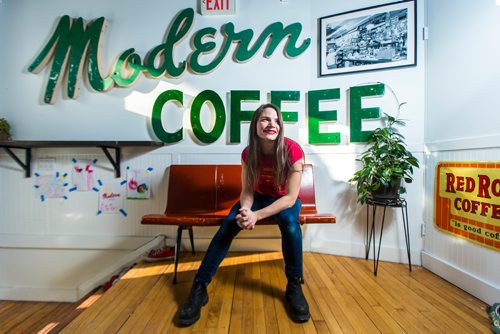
[{"x": 218, "y": 7}]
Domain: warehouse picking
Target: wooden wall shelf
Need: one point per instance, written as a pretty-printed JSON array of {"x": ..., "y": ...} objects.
[{"x": 106, "y": 146}]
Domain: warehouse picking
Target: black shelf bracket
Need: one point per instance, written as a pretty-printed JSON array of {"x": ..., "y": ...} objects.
[
  {"x": 114, "y": 161},
  {"x": 106, "y": 146},
  {"x": 26, "y": 165}
]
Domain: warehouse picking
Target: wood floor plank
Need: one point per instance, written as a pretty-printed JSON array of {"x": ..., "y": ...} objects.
[
  {"x": 285, "y": 324},
  {"x": 26, "y": 321},
  {"x": 25, "y": 317},
  {"x": 226, "y": 295},
  {"x": 27, "y": 327},
  {"x": 358, "y": 289},
  {"x": 278, "y": 282},
  {"x": 246, "y": 279},
  {"x": 412, "y": 305},
  {"x": 366, "y": 290},
  {"x": 219, "y": 309},
  {"x": 247, "y": 296},
  {"x": 455, "y": 295},
  {"x": 355, "y": 318},
  {"x": 16, "y": 317},
  {"x": 375, "y": 287},
  {"x": 132, "y": 289},
  {"x": 153, "y": 314},
  {"x": 319, "y": 303},
  {"x": 329, "y": 310},
  {"x": 415, "y": 304},
  {"x": 270, "y": 293},
  {"x": 469, "y": 321},
  {"x": 257, "y": 308},
  {"x": 236, "y": 325}
]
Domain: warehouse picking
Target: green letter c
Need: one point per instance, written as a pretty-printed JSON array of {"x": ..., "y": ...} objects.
[{"x": 156, "y": 122}]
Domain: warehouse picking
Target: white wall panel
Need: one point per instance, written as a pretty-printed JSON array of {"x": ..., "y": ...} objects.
[
  {"x": 347, "y": 237},
  {"x": 462, "y": 72},
  {"x": 78, "y": 214}
]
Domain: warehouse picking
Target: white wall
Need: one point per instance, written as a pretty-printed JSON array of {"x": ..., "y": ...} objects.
[
  {"x": 462, "y": 84},
  {"x": 123, "y": 114},
  {"x": 462, "y": 72}
]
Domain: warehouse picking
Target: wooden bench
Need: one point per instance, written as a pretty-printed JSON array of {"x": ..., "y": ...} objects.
[{"x": 202, "y": 195}]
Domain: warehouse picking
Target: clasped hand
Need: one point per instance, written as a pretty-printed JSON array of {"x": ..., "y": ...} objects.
[{"x": 246, "y": 219}]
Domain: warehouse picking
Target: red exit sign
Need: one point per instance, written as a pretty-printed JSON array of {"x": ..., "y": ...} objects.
[{"x": 218, "y": 7}]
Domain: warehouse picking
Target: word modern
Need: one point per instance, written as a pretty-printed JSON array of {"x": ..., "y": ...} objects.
[{"x": 74, "y": 44}]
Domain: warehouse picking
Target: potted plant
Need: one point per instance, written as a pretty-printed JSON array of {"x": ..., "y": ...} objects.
[
  {"x": 386, "y": 163},
  {"x": 4, "y": 129}
]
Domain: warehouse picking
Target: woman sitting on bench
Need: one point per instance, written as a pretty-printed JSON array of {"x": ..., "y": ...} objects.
[{"x": 271, "y": 175}]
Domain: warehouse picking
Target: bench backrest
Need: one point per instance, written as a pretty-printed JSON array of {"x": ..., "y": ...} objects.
[{"x": 202, "y": 189}]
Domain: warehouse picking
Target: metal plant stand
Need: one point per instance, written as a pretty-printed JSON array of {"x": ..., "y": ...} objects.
[{"x": 385, "y": 203}]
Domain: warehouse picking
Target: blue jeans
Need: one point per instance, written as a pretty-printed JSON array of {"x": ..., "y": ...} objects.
[{"x": 291, "y": 239}]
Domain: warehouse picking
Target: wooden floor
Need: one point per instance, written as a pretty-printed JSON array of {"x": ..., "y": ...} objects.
[
  {"x": 36, "y": 317},
  {"x": 246, "y": 296}
]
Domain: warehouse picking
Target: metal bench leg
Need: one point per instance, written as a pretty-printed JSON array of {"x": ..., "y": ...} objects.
[
  {"x": 191, "y": 238},
  {"x": 177, "y": 250}
]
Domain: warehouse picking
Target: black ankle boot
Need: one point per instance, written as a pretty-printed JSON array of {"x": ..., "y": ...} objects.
[
  {"x": 190, "y": 311},
  {"x": 296, "y": 302}
]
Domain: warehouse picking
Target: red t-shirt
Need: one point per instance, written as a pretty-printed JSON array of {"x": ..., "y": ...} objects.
[{"x": 265, "y": 184}]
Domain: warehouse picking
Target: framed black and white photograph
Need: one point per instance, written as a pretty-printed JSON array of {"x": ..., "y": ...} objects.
[{"x": 368, "y": 39}]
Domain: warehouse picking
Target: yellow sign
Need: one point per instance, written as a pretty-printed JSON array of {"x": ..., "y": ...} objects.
[{"x": 468, "y": 201}]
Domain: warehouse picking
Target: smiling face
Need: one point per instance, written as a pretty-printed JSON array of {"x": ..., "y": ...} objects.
[{"x": 268, "y": 126}]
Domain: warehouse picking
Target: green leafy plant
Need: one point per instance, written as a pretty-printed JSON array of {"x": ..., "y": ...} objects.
[
  {"x": 4, "y": 128},
  {"x": 386, "y": 162}
]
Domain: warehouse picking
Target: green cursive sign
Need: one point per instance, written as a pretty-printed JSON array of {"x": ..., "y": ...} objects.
[{"x": 73, "y": 43}]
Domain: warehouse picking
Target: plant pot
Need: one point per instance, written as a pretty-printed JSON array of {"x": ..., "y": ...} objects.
[
  {"x": 387, "y": 192},
  {"x": 4, "y": 136}
]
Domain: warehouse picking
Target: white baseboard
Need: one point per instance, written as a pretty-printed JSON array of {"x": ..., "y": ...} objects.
[
  {"x": 241, "y": 243},
  {"x": 352, "y": 249},
  {"x": 39, "y": 294},
  {"x": 238, "y": 244},
  {"x": 473, "y": 285},
  {"x": 72, "y": 242}
]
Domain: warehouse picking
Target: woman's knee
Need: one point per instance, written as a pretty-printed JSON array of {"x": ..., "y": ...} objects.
[
  {"x": 289, "y": 224},
  {"x": 229, "y": 228}
]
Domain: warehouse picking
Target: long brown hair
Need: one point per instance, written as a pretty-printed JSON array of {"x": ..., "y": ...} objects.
[{"x": 281, "y": 162}]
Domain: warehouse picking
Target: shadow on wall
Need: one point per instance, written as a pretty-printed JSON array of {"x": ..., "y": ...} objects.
[{"x": 335, "y": 195}]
